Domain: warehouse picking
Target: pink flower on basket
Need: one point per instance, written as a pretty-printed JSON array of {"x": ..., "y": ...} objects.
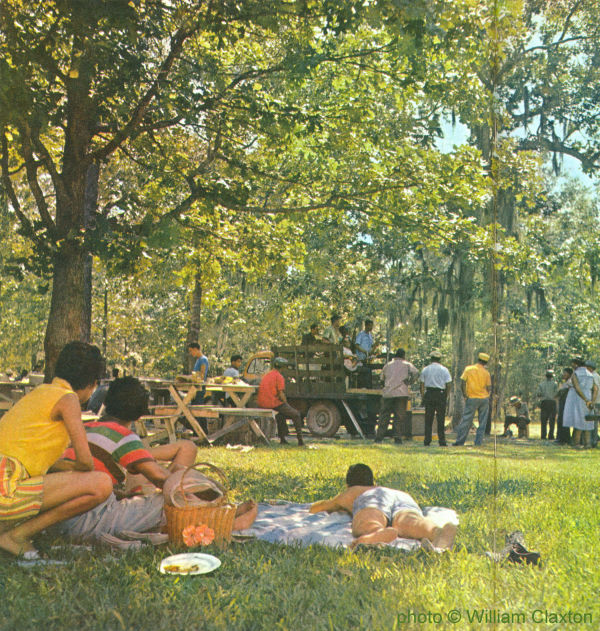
[
  {"x": 198, "y": 535},
  {"x": 204, "y": 535},
  {"x": 189, "y": 536}
]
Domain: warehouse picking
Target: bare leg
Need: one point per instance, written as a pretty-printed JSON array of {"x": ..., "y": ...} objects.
[
  {"x": 585, "y": 434},
  {"x": 181, "y": 454},
  {"x": 66, "y": 494},
  {"x": 369, "y": 525},
  {"x": 414, "y": 526},
  {"x": 576, "y": 437}
]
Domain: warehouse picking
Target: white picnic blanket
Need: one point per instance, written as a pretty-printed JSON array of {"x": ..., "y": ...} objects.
[{"x": 289, "y": 523}]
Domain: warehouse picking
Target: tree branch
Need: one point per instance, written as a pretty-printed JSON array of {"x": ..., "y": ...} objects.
[
  {"x": 31, "y": 170},
  {"x": 48, "y": 162},
  {"x": 14, "y": 200},
  {"x": 141, "y": 108},
  {"x": 588, "y": 161}
]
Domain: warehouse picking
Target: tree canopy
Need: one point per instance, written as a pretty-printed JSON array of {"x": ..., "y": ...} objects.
[{"x": 236, "y": 170}]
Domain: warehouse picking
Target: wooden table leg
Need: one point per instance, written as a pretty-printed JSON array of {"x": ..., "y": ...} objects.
[
  {"x": 258, "y": 431},
  {"x": 182, "y": 407}
]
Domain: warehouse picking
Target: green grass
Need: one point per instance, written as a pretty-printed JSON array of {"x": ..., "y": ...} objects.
[{"x": 549, "y": 493}]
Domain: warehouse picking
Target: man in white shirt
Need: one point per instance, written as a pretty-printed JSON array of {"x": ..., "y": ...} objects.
[
  {"x": 435, "y": 383},
  {"x": 234, "y": 368},
  {"x": 397, "y": 374},
  {"x": 233, "y": 371},
  {"x": 332, "y": 334}
]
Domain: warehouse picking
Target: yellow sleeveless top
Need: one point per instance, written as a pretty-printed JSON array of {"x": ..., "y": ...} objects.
[{"x": 28, "y": 433}]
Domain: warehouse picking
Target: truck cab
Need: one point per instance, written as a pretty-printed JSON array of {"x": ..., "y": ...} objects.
[{"x": 257, "y": 366}]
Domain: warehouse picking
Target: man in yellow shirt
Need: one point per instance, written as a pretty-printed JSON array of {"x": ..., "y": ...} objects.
[{"x": 476, "y": 385}]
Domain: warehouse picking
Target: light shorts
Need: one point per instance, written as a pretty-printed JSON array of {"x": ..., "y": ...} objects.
[
  {"x": 389, "y": 501},
  {"x": 140, "y": 513},
  {"x": 20, "y": 495}
]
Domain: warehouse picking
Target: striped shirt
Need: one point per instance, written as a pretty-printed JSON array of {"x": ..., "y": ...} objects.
[{"x": 115, "y": 449}]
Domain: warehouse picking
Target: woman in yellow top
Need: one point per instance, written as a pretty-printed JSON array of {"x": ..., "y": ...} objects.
[{"x": 33, "y": 435}]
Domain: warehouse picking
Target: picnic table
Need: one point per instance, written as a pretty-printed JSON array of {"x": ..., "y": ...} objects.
[
  {"x": 11, "y": 392},
  {"x": 234, "y": 418}
]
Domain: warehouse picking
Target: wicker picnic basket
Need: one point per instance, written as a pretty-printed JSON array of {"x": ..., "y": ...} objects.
[{"x": 218, "y": 514}]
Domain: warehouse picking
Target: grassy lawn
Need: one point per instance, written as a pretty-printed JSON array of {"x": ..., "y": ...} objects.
[{"x": 548, "y": 492}]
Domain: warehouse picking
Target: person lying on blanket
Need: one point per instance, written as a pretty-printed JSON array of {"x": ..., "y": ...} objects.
[
  {"x": 118, "y": 451},
  {"x": 380, "y": 515}
]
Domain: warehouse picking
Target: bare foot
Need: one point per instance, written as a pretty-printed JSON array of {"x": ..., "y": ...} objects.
[
  {"x": 9, "y": 544},
  {"x": 444, "y": 537},
  {"x": 245, "y": 515}
]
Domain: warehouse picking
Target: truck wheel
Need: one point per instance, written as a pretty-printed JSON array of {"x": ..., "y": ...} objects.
[{"x": 323, "y": 418}]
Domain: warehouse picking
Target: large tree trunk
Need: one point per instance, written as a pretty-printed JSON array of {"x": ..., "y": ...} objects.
[
  {"x": 463, "y": 332},
  {"x": 90, "y": 203},
  {"x": 70, "y": 314},
  {"x": 67, "y": 319},
  {"x": 194, "y": 322}
]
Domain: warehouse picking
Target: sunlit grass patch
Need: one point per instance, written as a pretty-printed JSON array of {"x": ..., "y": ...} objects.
[{"x": 549, "y": 493}]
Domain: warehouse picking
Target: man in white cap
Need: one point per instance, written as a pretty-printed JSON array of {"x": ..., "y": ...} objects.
[
  {"x": 476, "y": 385},
  {"x": 435, "y": 383}
]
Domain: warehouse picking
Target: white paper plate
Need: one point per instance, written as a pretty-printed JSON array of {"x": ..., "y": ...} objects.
[{"x": 189, "y": 563}]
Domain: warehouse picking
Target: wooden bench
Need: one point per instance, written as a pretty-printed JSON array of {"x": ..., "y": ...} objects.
[
  {"x": 163, "y": 427},
  {"x": 5, "y": 406},
  {"x": 166, "y": 416},
  {"x": 246, "y": 416}
]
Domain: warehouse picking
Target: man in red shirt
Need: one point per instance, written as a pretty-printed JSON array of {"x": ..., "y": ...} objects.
[{"x": 271, "y": 395}]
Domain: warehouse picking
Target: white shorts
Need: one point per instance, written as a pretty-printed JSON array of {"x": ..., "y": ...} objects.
[{"x": 140, "y": 513}]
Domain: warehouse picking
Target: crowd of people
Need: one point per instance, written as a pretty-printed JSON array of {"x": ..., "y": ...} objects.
[
  {"x": 61, "y": 475},
  {"x": 569, "y": 405},
  {"x": 58, "y": 473}
]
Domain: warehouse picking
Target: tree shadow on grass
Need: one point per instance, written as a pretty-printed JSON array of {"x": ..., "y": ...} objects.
[
  {"x": 510, "y": 451},
  {"x": 462, "y": 494}
]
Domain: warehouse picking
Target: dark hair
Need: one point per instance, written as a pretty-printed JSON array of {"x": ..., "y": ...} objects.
[
  {"x": 335, "y": 317},
  {"x": 126, "y": 399},
  {"x": 578, "y": 360},
  {"x": 568, "y": 369},
  {"x": 344, "y": 330},
  {"x": 115, "y": 372},
  {"x": 359, "y": 475},
  {"x": 314, "y": 325},
  {"x": 368, "y": 321},
  {"x": 80, "y": 364},
  {"x": 400, "y": 353},
  {"x": 234, "y": 358},
  {"x": 194, "y": 345}
]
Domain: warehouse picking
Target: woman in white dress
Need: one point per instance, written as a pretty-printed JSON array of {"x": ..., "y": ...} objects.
[{"x": 580, "y": 401}]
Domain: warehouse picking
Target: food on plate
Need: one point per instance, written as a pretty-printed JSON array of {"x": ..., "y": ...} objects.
[{"x": 178, "y": 569}]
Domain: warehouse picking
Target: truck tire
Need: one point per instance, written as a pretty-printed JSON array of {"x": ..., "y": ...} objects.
[{"x": 323, "y": 418}]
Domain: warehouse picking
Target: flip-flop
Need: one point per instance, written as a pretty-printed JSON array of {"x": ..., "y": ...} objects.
[
  {"x": 120, "y": 544},
  {"x": 155, "y": 538}
]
